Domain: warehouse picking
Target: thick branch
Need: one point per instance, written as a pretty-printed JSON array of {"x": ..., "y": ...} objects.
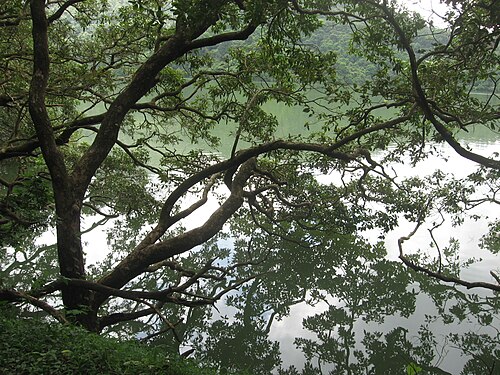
[
  {"x": 143, "y": 80},
  {"x": 138, "y": 261},
  {"x": 38, "y": 87},
  {"x": 28, "y": 146},
  {"x": 116, "y": 318},
  {"x": 165, "y": 220},
  {"x": 62, "y": 9},
  {"x": 422, "y": 98},
  {"x": 15, "y": 296},
  {"x": 221, "y": 38}
]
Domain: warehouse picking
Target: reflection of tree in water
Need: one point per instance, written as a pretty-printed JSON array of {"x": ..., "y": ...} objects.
[
  {"x": 319, "y": 259},
  {"x": 235, "y": 346},
  {"x": 380, "y": 292},
  {"x": 357, "y": 284},
  {"x": 366, "y": 286}
]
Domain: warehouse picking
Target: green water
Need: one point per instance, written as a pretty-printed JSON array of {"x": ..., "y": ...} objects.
[
  {"x": 358, "y": 315},
  {"x": 366, "y": 315},
  {"x": 292, "y": 121}
]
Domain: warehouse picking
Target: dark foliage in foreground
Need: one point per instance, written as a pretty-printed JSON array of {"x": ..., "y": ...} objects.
[{"x": 29, "y": 346}]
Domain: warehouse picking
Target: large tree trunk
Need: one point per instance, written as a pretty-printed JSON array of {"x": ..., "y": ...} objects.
[
  {"x": 68, "y": 203},
  {"x": 76, "y": 301},
  {"x": 69, "y": 186}
]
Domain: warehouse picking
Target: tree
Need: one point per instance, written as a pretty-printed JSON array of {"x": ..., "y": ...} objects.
[{"x": 96, "y": 106}]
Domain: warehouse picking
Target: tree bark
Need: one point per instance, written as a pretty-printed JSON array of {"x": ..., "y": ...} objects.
[{"x": 68, "y": 206}]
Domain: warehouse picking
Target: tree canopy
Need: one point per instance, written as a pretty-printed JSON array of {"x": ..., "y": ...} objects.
[{"x": 134, "y": 115}]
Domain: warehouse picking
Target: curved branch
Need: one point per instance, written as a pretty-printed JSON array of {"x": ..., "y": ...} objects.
[
  {"x": 438, "y": 275},
  {"x": 16, "y": 296},
  {"x": 421, "y": 97},
  {"x": 165, "y": 219},
  {"x": 143, "y": 80},
  {"x": 62, "y": 9},
  {"x": 449, "y": 279},
  {"x": 138, "y": 261},
  {"x": 226, "y": 37},
  {"x": 30, "y": 145},
  {"x": 12, "y": 216},
  {"x": 116, "y": 318},
  {"x": 383, "y": 125}
]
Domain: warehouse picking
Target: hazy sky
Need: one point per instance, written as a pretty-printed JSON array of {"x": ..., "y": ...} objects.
[{"x": 426, "y": 8}]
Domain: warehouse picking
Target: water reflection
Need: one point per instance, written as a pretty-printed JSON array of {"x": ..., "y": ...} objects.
[
  {"x": 363, "y": 321},
  {"x": 329, "y": 301},
  {"x": 335, "y": 303}
]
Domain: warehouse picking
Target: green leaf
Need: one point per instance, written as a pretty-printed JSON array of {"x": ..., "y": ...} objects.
[{"x": 413, "y": 369}]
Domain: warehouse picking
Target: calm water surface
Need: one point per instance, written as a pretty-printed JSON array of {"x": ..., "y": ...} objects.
[
  {"x": 367, "y": 317},
  {"x": 448, "y": 357}
]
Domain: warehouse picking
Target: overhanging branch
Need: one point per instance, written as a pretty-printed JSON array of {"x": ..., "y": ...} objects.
[
  {"x": 422, "y": 99},
  {"x": 439, "y": 275},
  {"x": 449, "y": 279},
  {"x": 16, "y": 296}
]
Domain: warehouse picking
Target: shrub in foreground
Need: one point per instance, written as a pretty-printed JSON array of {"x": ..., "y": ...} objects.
[{"x": 28, "y": 346}]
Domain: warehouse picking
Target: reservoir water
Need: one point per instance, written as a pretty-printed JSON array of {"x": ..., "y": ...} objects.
[
  {"x": 352, "y": 307},
  {"x": 366, "y": 314}
]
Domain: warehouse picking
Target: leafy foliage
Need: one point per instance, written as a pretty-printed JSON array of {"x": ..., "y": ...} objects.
[{"x": 33, "y": 347}]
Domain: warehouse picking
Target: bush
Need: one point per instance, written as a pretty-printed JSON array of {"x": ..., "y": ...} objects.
[{"x": 28, "y": 346}]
